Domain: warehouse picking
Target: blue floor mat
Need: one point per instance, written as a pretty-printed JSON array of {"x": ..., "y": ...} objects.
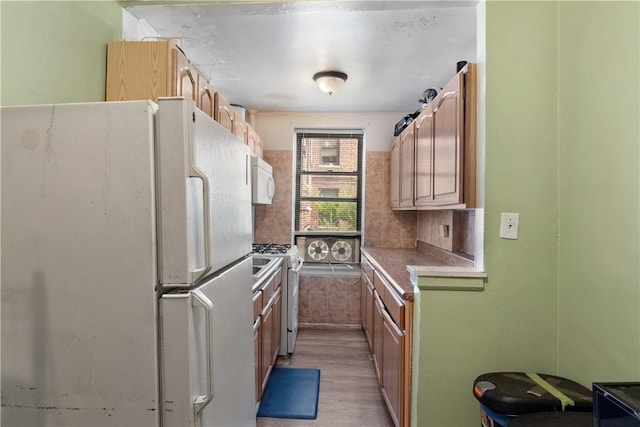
[{"x": 291, "y": 393}]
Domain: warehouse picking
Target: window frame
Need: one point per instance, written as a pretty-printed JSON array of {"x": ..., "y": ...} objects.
[{"x": 326, "y": 170}]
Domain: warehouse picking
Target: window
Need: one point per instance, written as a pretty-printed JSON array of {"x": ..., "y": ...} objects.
[{"x": 328, "y": 183}]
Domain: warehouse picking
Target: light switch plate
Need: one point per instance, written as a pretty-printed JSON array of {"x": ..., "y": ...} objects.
[{"x": 509, "y": 225}]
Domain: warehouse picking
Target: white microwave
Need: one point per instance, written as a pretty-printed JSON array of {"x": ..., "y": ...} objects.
[{"x": 262, "y": 184}]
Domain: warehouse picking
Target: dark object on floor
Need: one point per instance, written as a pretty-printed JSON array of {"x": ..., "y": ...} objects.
[
  {"x": 616, "y": 404},
  {"x": 505, "y": 395},
  {"x": 554, "y": 419},
  {"x": 291, "y": 393}
]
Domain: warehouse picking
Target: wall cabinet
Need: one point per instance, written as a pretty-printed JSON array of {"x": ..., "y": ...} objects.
[
  {"x": 407, "y": 169},
  {"x": 267, "y": 310},
  {"x": 154, "y": 69},
  {"x": 440, "y": 172},
  {"x": 223, "y": 112},
  {"x": 254, "y": 142},
  {"x": 149, "y": 70},
  {"x": 205, "y": 99},
  {"x": 388, "y": 320},
  {"x": 394, "y": 169},
  {"x": 424, "y": 157}
]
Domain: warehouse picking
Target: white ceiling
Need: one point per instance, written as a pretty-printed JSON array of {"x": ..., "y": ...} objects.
[{"x": 263, "y": 54}]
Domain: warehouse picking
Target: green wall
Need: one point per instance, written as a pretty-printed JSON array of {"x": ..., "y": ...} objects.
[
  {"x": 511, "y": 325},
  {"x": 563, "y": 150},
  {"x": 599, "y": 189},
  {"x": 55, "y": 51}
]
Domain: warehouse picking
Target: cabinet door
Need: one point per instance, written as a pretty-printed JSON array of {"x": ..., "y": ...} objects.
[
  {"x": 257, "y": 351},
  {"x": 240, "y": 130},
  {"x": 424, "y": 157},
  {"x": 393, "y": 368},
  {"x": 277, "y": 332},
  {"x": 378, "y": 310},
  {"x": 407, "y": 166},
  {"x": 267, "y": 338},
  {"x": 367, "y": 310},
  {"x": 185, "y": 76},
  {"x": 205, "y": 96},
  {"x": 448, "y": 128},
  {"x": 394, "y": 170},
  {"x": 223, "y": 113}
]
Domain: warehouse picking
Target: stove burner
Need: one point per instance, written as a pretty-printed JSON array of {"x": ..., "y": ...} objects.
[{"x": 271, "y": 248}]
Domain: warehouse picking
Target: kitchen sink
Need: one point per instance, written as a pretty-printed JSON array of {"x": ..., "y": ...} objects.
[{"x": 260, "y": 265}]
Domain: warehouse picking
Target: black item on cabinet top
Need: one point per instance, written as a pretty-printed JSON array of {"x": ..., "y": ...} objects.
[
  {"x": 404, "y": 122},
  {"x": 516, "y": 393}
]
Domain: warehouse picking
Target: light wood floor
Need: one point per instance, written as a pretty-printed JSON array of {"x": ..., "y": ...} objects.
[{"x": 349, "y": 392}]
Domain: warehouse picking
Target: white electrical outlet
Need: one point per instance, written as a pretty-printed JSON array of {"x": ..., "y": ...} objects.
[{"x": 509, "y": 225}]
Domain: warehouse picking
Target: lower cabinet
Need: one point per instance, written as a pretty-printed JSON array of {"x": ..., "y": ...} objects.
[
  {"x": 266, "y": 329},
  {"x": 392, "y": 367},
  {"x": 387, "y": 323},
  {"x": 378, "y": 346}
]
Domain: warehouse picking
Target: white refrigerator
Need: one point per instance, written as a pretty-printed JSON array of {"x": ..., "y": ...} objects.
[{"x": 126, "y": 276}]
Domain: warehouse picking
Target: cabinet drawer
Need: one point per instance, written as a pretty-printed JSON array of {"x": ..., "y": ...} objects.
[
  {"x": 392, "y": 302},
  {"x": 267, "y": 291},
  {"x": 366, "y": 267},
  {"x": 395, "y": 307},
  {"x": 257, "y": 304},
  {"x": 277, "y": 279}
]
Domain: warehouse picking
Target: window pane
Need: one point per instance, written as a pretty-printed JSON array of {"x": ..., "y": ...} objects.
[
  {"x": 322, "y": 154},
  {"x": 328, "y": 186},
  {"x": 327, "y": 216}
]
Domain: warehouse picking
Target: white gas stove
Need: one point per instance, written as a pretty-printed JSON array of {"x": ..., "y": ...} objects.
[{"x": 290, "y": 289}]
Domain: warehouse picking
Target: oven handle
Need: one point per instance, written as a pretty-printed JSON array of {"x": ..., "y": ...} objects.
[{"x": 298, "y": 265}]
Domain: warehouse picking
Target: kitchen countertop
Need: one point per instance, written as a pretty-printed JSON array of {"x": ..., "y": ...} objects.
[{"x": 399, "y": 266}]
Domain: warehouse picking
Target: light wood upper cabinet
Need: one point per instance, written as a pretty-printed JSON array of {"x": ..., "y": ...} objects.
[
  {"x": 254, "y": 142},
  {"x": 443, "y": 166},
  {"x": 424, "y": 157},
  {"x": 395, "y": 173},
  {"x": 148, "y": 70},
  {"x": 205, "y": 99},
  {"x": 407, "y": 169},
  {"x": 240, "y": 129},
  {"x": 223, "y": 112},
  {"x": 448, "y": 129}
]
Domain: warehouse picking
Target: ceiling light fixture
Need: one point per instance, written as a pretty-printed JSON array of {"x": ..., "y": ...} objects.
[{"x": 329, "y": 81}]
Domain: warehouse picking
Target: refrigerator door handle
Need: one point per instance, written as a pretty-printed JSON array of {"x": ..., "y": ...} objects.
[
  {"x": 201, "y": 401},
  {"x": 206, "y": 206}
]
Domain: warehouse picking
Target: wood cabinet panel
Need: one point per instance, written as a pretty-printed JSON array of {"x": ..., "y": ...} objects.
[
  {"x": 185, "y": 76},
  {"x": 378, "y": 310},
  {"x": 407, "y": 169},
  {"x": 267, "y": 340},
  {"x": 205, "y": 99},
  {"x": 257, "y": 304},
  {"x": 148, "y": 70},
  {"x": 424, "y": 157},
  {"x": 257, "y": 354},
  {"x": 448, "y": 128},
  {"x": 394, "y": 168},
  {"x": 277, "y": 331},
  {"x": 240, "y": 130},
  {"x": 393, "y": 368},
  {"x": 223, "y": 112}
]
